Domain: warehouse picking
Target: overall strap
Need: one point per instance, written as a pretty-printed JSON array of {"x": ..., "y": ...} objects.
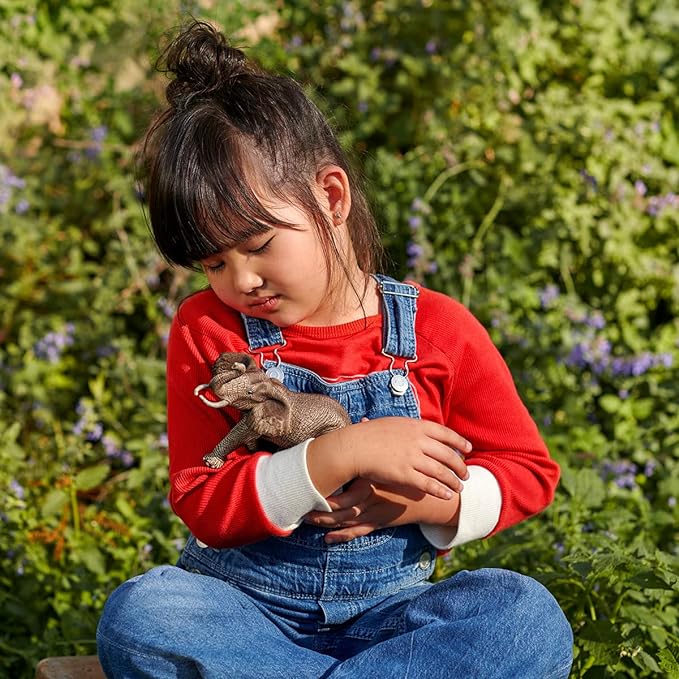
[
  {"x": 399, "y": 301},
  {"x": 262, "y": 333}
]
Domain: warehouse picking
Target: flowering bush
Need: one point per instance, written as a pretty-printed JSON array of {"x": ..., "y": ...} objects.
[{"x": 522, "y": 157}]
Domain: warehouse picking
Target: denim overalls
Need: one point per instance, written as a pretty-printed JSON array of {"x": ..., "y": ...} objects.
[
  {"x": 297, "y": 607},
  {"x": 342, "y": 580}
]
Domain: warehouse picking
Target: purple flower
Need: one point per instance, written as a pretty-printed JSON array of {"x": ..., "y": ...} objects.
[
  {"x": 577, "y": 356},
  {"x": 414, "y": 250},
  {"x": 641, "y": 364},
  {"x": 640, "y": 188},
  {"x": 596, "y": 320},
  {"x": 362, "y": 106},
  {"x": 414, "y": 222},
  {"x": 99, "y": 133},
  {"x": 666, "y": 360},
  {"x": 50, "y": 347},
  {"x": 162, "y": 441},
  {"x": 548, "y": 294},
  {"x": 106, "y": 350},
  {"x": 649, "y": 467},
  {"x": 166, "y": 307},
  {"x": 626, "y": 481},
  {"x": 16, "y": 80},
  {"x": 110, "y": 446},
  {"x": 17, "y": 489},
  {"x": 621, "y": 472},
  {"x": 431, "y": 47},
  {"x": 672, "y": 501},
  {"x": 589, "y": 179},
  {"x": 95, "y": 433},
  {"x": 114, "y": 451},
  {"x": 22, "y": 206},
  {"x": 432, "y": 267},
  {"x": 418, "y": 205},
  {"x": 375, "y": 54}
]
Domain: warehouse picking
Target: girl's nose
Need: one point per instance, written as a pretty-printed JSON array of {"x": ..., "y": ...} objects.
[{"x": 246, "y": 280}]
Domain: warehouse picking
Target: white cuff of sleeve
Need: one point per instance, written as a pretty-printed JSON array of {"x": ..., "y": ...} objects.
[
  {"x": 285, "y": 489},
  {"x": 480, "y": 505}
]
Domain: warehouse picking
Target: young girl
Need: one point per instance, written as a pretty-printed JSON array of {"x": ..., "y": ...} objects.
[{"x": 314, "y": 561}]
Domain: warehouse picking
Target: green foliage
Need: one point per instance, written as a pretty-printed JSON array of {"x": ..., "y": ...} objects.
[{"x": 522, "y": 157}]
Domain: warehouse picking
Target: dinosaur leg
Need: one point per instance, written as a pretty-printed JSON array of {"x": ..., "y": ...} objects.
[{"x": 231, "y": 441}]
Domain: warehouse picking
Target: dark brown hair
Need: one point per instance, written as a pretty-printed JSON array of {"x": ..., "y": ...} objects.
[{"x": 229, "y": 123}]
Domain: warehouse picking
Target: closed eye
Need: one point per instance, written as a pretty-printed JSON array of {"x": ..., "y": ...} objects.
[
  {"x": 213, "y": 268},
  {"x": 263, "y": 248}
]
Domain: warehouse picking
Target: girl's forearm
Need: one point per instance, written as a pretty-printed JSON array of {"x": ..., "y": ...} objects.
[
  {"x": 328, "y": 464},
  {"x": 418, "y": 507}
]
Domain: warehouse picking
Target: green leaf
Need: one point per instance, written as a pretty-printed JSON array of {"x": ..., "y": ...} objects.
[
  {"x": 649, "y": 580},
  {"x": 91, "y": 477},
  {"x": 610, "y": 403},
  {"x": 54, "y": 502},
  {"x": 585, "y": 485},
  {"x": 601, "y": 631},
  {"x": 668, "y": 659},
  {"x": 93, "y": 559}
]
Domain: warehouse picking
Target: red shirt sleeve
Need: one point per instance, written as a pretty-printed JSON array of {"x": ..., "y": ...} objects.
[
  {"x": 485, "y": 406},
  {"x": 480, "y": 401},
  {"x": 220, "y": 506}
]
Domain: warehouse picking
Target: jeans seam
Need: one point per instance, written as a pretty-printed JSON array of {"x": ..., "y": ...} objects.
[
  {"x": 130, "y": 648},
  {"x": 561, "y": 669}
]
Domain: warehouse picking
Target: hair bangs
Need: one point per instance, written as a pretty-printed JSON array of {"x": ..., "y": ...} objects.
[{"x": 204, "y": 198}]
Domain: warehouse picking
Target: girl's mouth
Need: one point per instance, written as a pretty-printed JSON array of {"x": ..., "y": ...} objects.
[{"x": 268, "y": 304}]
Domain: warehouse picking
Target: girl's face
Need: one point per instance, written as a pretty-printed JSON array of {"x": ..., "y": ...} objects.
[{"x": 280, "y": 275}]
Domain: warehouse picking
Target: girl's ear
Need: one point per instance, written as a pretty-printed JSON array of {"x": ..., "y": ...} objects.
[{"x": 334, "y": 193}]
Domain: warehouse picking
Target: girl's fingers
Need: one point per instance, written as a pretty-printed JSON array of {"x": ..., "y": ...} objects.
[
  {"x": 430, "y": 485},
  {"x": 440, "y": 473},
  {"x": 448, "y": 437},
  {"x": 450, "y": 458},
  {"x": 347, "y": 534},
  {"x": 330, "y": 519},
  {"x": 354, "y": 495}
]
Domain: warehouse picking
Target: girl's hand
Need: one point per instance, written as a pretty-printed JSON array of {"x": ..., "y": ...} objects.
[
  {"x": 365, "y": 507},
  {"x": 402, "y": 451}
]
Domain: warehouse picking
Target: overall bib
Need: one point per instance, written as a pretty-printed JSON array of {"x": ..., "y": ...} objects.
[{"x": 330, "y": 584}]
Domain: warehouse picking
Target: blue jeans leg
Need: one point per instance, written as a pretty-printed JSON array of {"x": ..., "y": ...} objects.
[
  {"x": 486, "y": 624},
  {"x": 169, "y": 623}
]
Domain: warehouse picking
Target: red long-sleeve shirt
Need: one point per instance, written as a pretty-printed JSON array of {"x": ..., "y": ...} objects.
[{"x": 460, "y": 380}]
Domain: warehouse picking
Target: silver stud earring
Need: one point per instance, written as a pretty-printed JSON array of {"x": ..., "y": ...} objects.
[{"x": 338, "y": 214}]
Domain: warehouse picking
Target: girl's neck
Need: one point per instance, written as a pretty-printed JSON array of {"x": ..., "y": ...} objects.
[{"x": 353, "y": 299}]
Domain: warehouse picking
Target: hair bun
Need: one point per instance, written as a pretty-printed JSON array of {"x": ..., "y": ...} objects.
[{"x": 202, "y": 62}]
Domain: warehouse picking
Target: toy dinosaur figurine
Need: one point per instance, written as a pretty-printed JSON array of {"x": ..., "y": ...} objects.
[{"x": 270, "y": 410}]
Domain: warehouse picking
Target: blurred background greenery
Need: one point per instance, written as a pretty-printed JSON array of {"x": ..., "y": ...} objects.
[{"x": 522, "y": 157}]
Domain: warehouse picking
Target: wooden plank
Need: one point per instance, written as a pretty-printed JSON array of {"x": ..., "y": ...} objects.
[{"x": 70, "y": 667}]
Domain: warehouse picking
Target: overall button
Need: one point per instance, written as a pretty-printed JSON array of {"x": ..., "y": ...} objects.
[
  {"x": 398, "y": 385},
  {"x": 200, "y": 544},
  {"x": 275, "y": 372},
  {"x": 425, "y": 561}
]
